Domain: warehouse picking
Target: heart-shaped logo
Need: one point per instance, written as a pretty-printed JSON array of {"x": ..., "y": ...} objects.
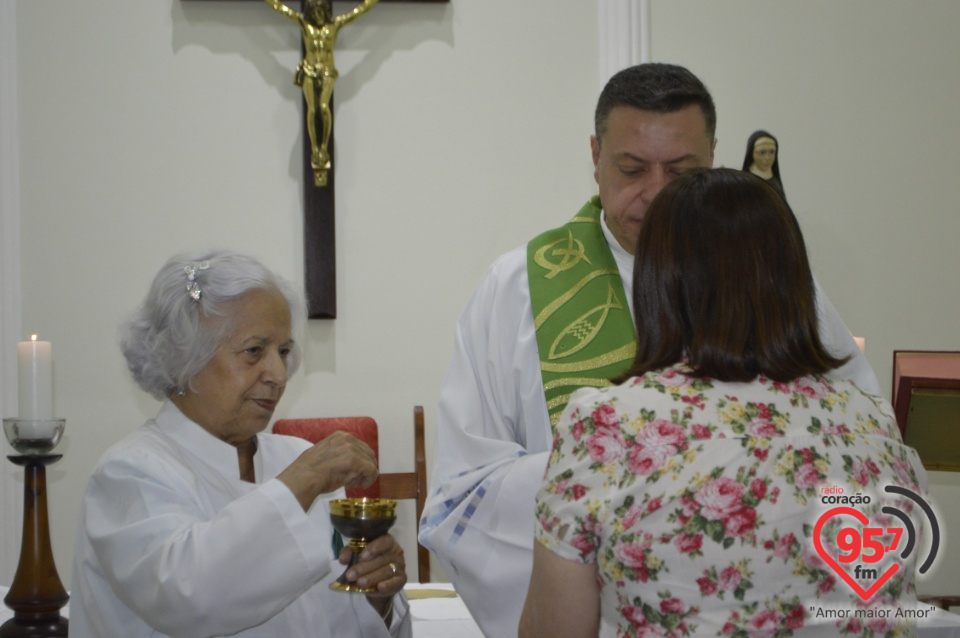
[{"x": 865, "y": 594}]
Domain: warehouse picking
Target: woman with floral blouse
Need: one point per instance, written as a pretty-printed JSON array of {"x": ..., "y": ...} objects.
[{"x": 682, "y": 502}]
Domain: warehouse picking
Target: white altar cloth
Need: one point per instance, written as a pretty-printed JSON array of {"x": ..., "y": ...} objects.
[{"x": 436, "y": 610}]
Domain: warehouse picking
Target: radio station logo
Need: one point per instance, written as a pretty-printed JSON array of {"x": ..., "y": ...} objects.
[{"x": 860, "y": 548}]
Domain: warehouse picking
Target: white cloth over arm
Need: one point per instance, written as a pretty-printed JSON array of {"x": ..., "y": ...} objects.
[
  {"x": 172, "y": 542},
  {"x": 837, "y": 339},
  {"x": 494, "y": 437}
]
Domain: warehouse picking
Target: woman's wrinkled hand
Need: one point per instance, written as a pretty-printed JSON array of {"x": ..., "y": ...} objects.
[
  {"x": 340, "y": 460},
  {"x": 381, "y": 565}
]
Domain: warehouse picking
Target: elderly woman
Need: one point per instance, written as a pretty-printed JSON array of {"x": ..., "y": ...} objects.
[
  {"x": 684, "y": 501},
  {"x": 761, "y": 159},
  {"x": 199, "y": 524}
]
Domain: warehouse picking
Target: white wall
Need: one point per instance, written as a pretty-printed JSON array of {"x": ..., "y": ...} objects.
[
  {"x": 149, "y": 128},
  {"x": 863, "y": 98},
  {"x": 10, "y": 491}
]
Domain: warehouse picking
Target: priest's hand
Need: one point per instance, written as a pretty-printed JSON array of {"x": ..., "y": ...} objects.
[{"x": 340, "y": 460}]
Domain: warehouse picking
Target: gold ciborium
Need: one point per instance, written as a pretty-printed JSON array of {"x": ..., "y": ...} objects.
[{"x": 361, "y": 520}]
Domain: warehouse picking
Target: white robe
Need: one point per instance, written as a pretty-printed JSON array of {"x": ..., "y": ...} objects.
[
  {"x": 173, "y": 543},
  {"x": 494, "y": 439}
]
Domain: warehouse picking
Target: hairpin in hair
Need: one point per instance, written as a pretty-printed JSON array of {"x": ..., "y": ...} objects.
[{"x": 193, "y": 288}]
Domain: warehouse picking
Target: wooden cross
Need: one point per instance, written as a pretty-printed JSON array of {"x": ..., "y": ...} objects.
[{"x": 319, "y": 246}]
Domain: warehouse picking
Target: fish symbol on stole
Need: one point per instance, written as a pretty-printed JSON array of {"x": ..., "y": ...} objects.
[{"x": 584, "y": 329}]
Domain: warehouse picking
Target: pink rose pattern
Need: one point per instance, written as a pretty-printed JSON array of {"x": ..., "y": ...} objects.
[{"x": 696, "y": 499}]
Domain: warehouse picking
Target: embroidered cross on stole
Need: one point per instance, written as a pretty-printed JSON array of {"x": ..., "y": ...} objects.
[{"x": 585, "y": 332}]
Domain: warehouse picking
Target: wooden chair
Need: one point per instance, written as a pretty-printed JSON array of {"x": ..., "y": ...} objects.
[{"x": 401, "y": 485}]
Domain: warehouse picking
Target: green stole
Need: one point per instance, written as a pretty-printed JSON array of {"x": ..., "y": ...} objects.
[{"x": 585, "y": 332}]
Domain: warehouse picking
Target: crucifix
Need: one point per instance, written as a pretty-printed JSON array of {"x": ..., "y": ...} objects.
[
  {"x": 317, "y": 67},
  {"x": 316, "y": 74},
  {"x": 319, "y": 203}
]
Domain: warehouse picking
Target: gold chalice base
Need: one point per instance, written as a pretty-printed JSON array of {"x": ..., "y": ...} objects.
[{"x": 361, "y": 520}]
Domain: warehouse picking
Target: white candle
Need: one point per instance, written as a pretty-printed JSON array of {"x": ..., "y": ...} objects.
[{"x": 36, "y": 379}]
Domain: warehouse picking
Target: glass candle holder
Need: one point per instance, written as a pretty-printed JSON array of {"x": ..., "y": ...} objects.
[{"x": 33, "y": 437}]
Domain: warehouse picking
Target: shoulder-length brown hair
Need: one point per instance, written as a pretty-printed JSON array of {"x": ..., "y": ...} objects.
[{"x": 721, "y": 279}]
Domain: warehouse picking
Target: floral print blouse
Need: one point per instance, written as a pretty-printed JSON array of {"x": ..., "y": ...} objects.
[{"x": 697, "y": 500}]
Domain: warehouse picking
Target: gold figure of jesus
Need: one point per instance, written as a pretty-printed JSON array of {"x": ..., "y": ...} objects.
[{"x": 316, "y": 74}]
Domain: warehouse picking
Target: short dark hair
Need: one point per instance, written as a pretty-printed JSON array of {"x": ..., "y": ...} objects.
[
  {"x": 657, "y": 87},
  {"x": 721, "y": 279}
]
